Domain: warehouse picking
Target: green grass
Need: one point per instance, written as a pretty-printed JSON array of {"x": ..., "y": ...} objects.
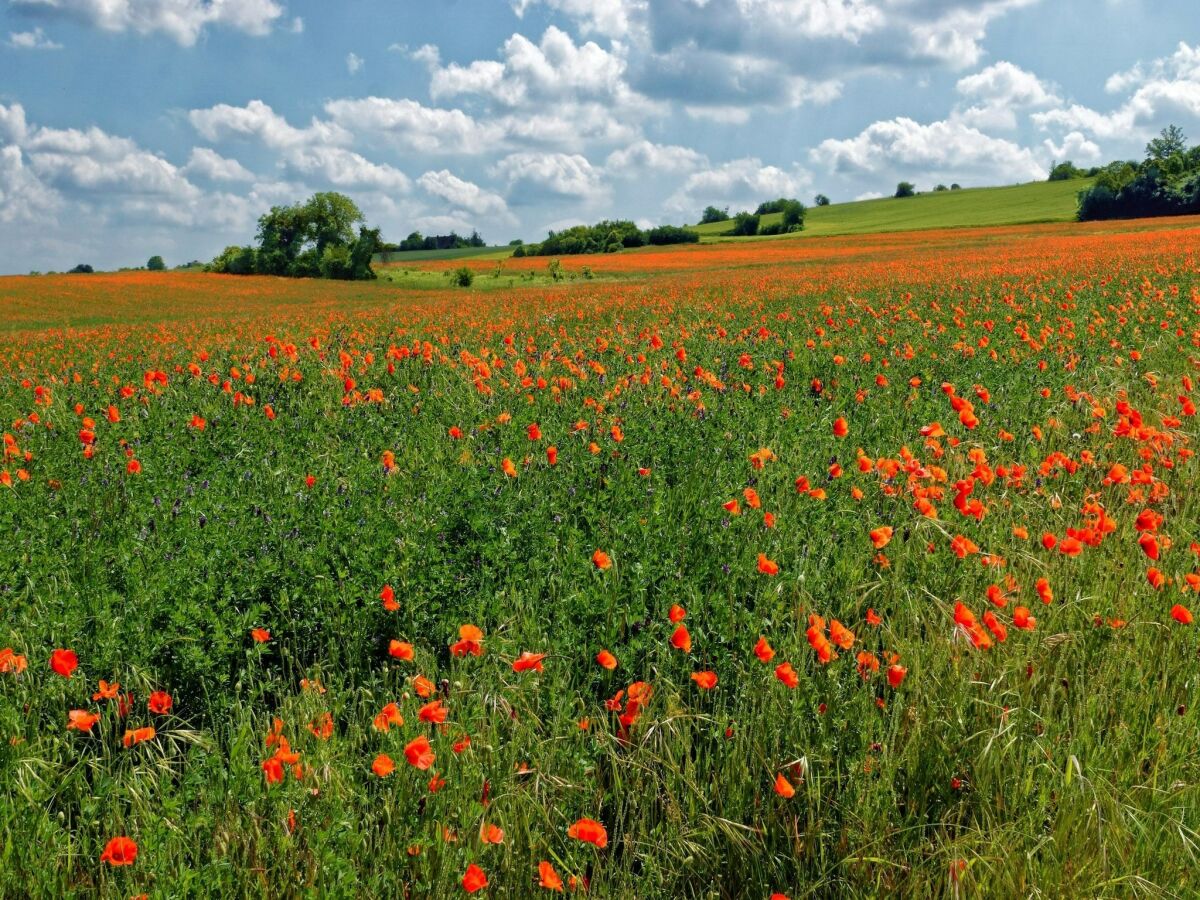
[
  {"x": 1061, "y": 762},
  {"x": 485, "y": 280},
  {"x": 411, "y": 256},
  {"x": 1021, "y": 204}
]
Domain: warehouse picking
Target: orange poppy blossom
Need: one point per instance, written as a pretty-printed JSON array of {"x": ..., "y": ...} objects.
[
  {"x": 474, "y": 879},
  {"x": 419, "y": 753},
  {"x": 548, "y": 878},
  {"x": 528, "y": 662},
  {"x": 470, "y": 642},
  {"x": 400, "y": 650},
  {"x": 120, "y": 851},
  {"x": 589, "y": 831},
  {"x": 81, "y": 720},
  {"x": 783, "y": 787},
  {"x": 138, "y": 736},
  {"x": 64, "y": 662},
  {"x": 766, "y": 566},
  {"x": 763, "y": 650},
  {"x": 681, "y": 639}
]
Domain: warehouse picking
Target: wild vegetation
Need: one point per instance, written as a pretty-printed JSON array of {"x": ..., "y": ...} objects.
[
  {"x": 608, "y": 236},
  {"x": 1165, "y": 183},
  {"x": 315, "y": 239},
  {"x": 852, "y": 567}
]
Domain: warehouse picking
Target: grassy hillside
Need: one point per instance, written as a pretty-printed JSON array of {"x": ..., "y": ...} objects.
[
  {"x": 1041, "y": 201},
  {"x": 409, "y": 256}
]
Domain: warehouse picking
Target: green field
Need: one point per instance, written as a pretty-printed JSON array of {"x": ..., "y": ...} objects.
[
  {"x": 851, "y": 568},
  {"x": 1019, "y": 204},
  {"x": 409, "y": 256}
]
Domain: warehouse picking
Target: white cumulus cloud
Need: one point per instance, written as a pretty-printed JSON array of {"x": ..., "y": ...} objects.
[{"x": 181, "y": 20}]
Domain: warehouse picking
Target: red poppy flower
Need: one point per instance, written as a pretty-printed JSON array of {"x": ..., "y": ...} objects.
[
  {"x": 474, "y": 879},
  {"x": 120, "y": 851},
  {"x": 589, "y": 831},
  {"x": 64, "y": 662}
]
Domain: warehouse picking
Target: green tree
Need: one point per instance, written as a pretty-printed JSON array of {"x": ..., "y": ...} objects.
[
  {"x": 821, "y": 200},
  {"x": 330, "y": 219},
  {"x": 744, "y": 225},
  {"x": 361, "y": 251},
  {"x": 905, "y": 189},
  {"x": 156, "y": 264},
  {"x": 1170, "y": 141},
  {"x": 793, "y": 215},
  {"x": 712, "y": 214}
]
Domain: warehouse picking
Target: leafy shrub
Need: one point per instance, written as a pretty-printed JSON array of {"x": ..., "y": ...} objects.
[
  {"x": 1166, "y": 183},
  {"x": 671, "y": 234},
  {"x": 462, "y": 277},
  {"x": 744, "y": 225}
]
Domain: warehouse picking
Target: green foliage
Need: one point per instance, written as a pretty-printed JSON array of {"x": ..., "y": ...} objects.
[
  {"x": 315, "y": 239},
  {"x": 712, "y": 214},
  {"x": 609, "y": 236},
  {"x": 453, "y": 241},
  {"x": 1067, "y": 171},
  {"x": 671, "y": 234},
  {"x": 156, "y": 264},
  {"x": 81, "y": 269},
  {"x": 1169, "y": 143},
  {"x": 463, "y": 276},
  {"x": 905, "y": 189},
  {"x": 1166, "y": 183},
  {"x": 744, "y": 225},
  {"x": 236, "y": 261},
  {"x": 821, "y": 200}
]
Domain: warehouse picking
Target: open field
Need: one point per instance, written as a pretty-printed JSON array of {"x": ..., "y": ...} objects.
[
  {"x": 855, "y": 566},
  {"x": 1040, "y": 201},
  {"x": 411, "y": 256}
]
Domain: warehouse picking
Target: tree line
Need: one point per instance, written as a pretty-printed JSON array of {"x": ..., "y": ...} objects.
[
  {"x": 749, "y": 224},
  {"x": 1165, "y": 183},
  {"x": 418, "y": 241},
  {"x": 609, "y": 236},
  {"x": 314, "y": 239}
]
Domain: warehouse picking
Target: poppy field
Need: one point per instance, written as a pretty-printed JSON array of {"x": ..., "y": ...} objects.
[{"x": 819, "y": 567}]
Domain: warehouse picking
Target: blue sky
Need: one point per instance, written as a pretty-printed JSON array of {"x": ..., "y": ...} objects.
[{"x": 134, "y": 127}]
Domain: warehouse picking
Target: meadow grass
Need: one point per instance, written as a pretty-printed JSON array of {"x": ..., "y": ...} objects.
[
  {"x": 301, "y": 446},
  {"x": 1019, "y": 204}
]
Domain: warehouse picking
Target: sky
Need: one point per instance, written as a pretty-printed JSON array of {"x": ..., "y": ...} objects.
[{"x": 130, "y": 128}]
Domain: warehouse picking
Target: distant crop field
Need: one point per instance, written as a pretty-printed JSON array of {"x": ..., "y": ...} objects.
[
  {"x": 856, "y": 566},
  {"x": 1053, "y": 201},
  {"x": 410, "y": 256}
]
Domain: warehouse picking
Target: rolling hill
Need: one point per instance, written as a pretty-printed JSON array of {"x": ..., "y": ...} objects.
[{"x": 1039, "y": 201}]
